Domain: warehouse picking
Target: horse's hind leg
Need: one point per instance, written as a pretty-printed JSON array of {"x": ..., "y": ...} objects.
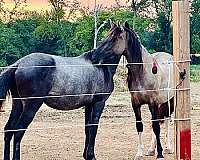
[
  {"x": 30, "y": 109},
  {"x": 156, "y": 129},
  {"x": 168, "y": 145},
  {"x": 139, "y": 126},
  {"x": 152, "y": 148},
  {"x": 14, "y": 116}
]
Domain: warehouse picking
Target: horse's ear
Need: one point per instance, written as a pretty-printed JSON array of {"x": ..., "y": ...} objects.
[
  {"x": 118, "y": 24},
  {"x": 112, "y": 25},
  {"x": 126, "y": 25}
]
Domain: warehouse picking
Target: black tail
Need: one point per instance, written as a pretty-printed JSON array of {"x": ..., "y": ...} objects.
[
  {"x": 163, "y": 110},
  {"x": 6, "y": 82}
]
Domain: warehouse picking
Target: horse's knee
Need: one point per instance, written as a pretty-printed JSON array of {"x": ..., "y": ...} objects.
[
  {"x": 8, "y": 136},
  {"x": 139, "y": 126},
  {"x": 18, "y": 136},
  {"x": 156, "y": 127}
]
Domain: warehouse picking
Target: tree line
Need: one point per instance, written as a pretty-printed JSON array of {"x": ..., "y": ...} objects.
[{"x": 24, "y": 32}]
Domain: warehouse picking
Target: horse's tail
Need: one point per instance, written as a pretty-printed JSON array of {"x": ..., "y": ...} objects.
[
  {"x": 6, "y": 82},
  {"x": 164, "y": 111}
]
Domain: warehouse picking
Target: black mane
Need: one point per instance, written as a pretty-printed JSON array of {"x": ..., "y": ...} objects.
[
  {"x": 104, "y": 53},
  {"x": 134, "y": 47},
  {"x": 134, "y": 55}
]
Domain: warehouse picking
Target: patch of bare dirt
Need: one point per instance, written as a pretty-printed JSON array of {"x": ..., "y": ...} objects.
[{"x": 59, "y": 135}]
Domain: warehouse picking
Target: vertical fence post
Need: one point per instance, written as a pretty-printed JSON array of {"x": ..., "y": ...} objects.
[{"x": 181, "y": 52}]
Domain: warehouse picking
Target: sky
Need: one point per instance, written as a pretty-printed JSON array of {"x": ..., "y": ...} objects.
[{"x": 43, "y": 4}]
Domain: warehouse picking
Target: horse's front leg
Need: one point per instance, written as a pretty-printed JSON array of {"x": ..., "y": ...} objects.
[
  {"x": 93, "y": 115},
  {"x": 88, "y": 116},
  {"x": 139, "y": 127},
  {"x": 156, "y": 129}
]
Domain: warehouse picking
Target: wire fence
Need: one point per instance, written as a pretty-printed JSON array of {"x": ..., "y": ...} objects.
[
  {"x": 168, "y": 89},
  {"x": 88, "y": 125},
  {"x": 89, "y": 65}
]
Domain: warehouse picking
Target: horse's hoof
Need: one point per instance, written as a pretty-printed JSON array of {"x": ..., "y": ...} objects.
[
  {"x": 150, "y": 153},
  {"x": 91, "y": 158},
  {"x": 138, "y": 157},
  {"x": 168, "y": 151},
  {"x": 160, "y": 157}
]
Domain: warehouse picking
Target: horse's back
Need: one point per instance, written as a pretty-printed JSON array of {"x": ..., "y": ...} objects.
[
  {"x": 76, "y": 78},
  {"x": 166, "y": 73},
  {"x": 162, "y": 56}
]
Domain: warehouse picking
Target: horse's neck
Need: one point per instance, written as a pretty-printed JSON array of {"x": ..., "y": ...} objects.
[
  {"x": 105, "y": 57},
  {"x": 140, "y": 71},
  {"x": 113, "y": 68}
]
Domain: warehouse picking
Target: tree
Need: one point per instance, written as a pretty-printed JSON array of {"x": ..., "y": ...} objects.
[
  {"x": 24, "y": 29},
  {"x": 54, "y": 38},
  {"x": 195, "y": 25},
  {"x": 57, "y": 11},
  {"x": 16, "y": 12},
  {"x": 82, "y": 40},
  {"x": 11, "y": 45}
]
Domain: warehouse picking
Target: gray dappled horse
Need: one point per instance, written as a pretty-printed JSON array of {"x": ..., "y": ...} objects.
[
  {"x": 75, "y": 76},
  {"x": 151, "y": 72}
]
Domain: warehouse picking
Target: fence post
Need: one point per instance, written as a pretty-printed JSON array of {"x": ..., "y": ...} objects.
[{"x": 181, "y": 52}]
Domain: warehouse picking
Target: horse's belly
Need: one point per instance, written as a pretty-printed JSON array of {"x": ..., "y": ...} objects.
[
  {"x": 148, "y": 97},
  {"x": 68, "y": 102}
]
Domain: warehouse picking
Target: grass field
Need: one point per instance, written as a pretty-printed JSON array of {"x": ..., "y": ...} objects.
[{"x": 195, "y": 73}]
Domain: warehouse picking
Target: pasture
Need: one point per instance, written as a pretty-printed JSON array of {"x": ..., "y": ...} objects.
[{"x": 59, "y": 135}]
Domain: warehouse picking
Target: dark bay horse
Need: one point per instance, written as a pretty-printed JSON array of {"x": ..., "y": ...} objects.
[
  {"x": 51, "y": 78},
  {"x": 150, "y": 74}
]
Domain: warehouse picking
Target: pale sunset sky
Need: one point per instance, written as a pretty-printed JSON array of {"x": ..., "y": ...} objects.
[{"x": 43, "y": 4}]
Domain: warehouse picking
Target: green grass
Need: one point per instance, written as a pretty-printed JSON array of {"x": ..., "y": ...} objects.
[{"x": 195, "y": 73}]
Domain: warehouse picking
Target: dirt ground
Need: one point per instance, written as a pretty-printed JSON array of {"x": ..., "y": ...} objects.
[{"x": 58, "y": 135}]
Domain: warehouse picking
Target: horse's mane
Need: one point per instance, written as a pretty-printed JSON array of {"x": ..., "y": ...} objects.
[
  {"x": 134, "y": 47},
  {"x": 134, "y": 54},
  {"x": 104, "y": 53}
]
